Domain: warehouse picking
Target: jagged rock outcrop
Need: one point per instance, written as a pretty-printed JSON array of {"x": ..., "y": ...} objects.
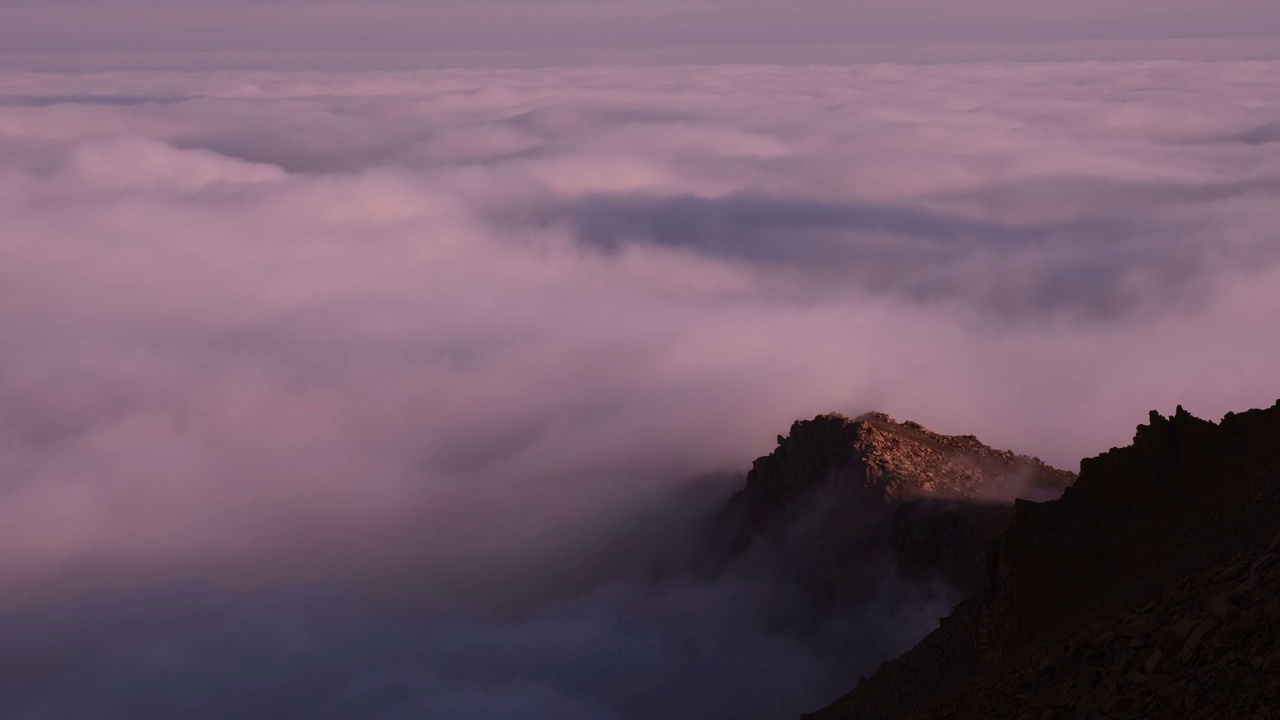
[
  {"x": 840, "y": 498},
  {"x": 887, "y": 461},
  {"x": 1151, "y": 589}
]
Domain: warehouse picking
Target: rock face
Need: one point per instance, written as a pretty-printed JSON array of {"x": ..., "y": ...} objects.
[
  {"x": 887, "y": 461},
  {"x": 942, "y": 539},
  {"x": 840, "y": 498},
  {"x": 1151, "y": 589}
]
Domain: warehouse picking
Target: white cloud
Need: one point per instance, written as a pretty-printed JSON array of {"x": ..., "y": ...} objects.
[{"x": 275, "y": 326}]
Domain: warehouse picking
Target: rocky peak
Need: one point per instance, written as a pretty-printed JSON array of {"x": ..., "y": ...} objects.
[
  {"x": 840, "y": 496},
  {"x": 881, "y": 459}
]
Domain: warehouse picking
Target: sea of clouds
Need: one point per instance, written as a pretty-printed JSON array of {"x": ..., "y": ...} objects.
[{"x": 374, "y": 395}]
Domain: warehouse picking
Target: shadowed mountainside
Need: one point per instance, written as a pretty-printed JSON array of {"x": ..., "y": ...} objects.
[
  {"x": 844, "y": 504},
  {"x": 1150, "y": 589}
]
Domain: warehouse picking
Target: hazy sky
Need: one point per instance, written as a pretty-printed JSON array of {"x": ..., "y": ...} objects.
[{"x": 523, "y": 32}]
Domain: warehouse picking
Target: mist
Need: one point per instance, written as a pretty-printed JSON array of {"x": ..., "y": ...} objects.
[{"x": 392, "y": 395}]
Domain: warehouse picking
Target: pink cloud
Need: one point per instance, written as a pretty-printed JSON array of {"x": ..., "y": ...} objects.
[{"x": 265, "y": 327}]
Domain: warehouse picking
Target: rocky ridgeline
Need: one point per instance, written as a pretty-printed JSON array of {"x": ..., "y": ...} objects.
[
  {"x": 1151, "y": 589},
  {"x": 906, "y": 461},
  {"x": 838, "y": 495},
  {"x": 875, "y": 459}
]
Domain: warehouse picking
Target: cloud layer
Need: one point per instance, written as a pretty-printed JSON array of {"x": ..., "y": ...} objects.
[{"x": 458, "y": 338}]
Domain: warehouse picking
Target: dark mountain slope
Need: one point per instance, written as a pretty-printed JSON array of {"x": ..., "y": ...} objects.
[{"x": 1151, "y": 589}]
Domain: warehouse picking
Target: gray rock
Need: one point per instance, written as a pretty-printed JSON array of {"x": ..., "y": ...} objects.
[{"x": 1193, "y": 641}]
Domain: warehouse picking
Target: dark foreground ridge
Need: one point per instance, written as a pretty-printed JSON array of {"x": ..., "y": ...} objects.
[{"x": 1151, "y": 589}]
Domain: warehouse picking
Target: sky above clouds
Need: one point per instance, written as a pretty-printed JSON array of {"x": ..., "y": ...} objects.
[{"x": 326, "y": 33}]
